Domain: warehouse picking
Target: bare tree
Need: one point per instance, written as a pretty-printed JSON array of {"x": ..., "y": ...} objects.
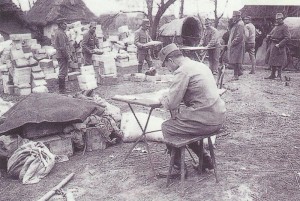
[
  {"x": 162, "y": 7},
  {"x": 181, "y": 8},
  {"x": 217, "y": 17}
]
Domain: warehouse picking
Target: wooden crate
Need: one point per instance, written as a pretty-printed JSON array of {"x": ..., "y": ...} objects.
[
  {"x": 94, "y": 139},
  {"x": 36, "y": 130},
  {"x": 58, "y": 144}
]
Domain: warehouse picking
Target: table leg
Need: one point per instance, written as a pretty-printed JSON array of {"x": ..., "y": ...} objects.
[
  {"x": 133, "y": 146},
  {"x": 212, "y": 154},
  {"x": 182, "y": 170},
  {"x": 149, "y": 155},
  {"x": 200, "y": 156},
  {"x": 142, "y": 137}
]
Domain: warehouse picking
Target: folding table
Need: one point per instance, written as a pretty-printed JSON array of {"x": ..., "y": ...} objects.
[{"x": 142, "y": 101}]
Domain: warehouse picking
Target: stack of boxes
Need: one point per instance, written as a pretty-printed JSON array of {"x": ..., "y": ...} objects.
[
  {"x": 47, "y": 66},
  {"x": 51, "y": 134},
  {"x": 38, "y": 80},
  {"x": 87, "y": 80},
  {"x": 106, "y": 71},
  {"x": 19, "y": 68}
]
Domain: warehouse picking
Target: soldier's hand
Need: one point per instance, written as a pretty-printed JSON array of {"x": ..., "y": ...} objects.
[{"x": 277, "y": 45}]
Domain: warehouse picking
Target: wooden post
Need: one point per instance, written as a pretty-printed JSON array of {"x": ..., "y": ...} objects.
[{"x": 50, "y": 193}]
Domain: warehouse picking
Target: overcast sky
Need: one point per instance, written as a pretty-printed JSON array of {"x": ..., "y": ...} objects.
[{"x": 204, "y": 7}]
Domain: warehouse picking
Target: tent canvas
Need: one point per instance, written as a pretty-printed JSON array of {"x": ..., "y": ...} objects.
[{"x": 47, "y": 107}]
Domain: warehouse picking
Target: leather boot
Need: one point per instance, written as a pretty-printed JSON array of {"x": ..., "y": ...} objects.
[
  {"x": 279, "y": 70},
  {"x": 207, "y": 162},
  {"x": 272, "y": 76},
  {"x": 140, "y": 67},
  {"x": 176, "y": 173},
  {"x": 62, "y": 85}
]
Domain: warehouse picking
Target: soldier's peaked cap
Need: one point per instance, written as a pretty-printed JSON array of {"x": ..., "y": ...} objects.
[
  {"x": 146, "y": 22},
  {"x": 164, "y": 52},
  {"x": 279, "y": 15},
  {"x": 236, "y": 13}
]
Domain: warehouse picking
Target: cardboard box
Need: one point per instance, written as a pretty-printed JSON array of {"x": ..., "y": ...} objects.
[
  {"x": 107, "y": 80},
  {"x": 38, "y": 75},
  {"x": 50, "y": 76},
  {"x": 58, "y": 144},
  {"x": 22, "y": 91},
  {"x": 16, "y": 54},
  {"x": 20, "y": 63},
  {"x": 87, "y": 69},
  {"x": 39, "y": 82},
  {"x": 20, "y": 36},
  {"x": 36, "y": 69},
  {"x": 88, "y": 85},
  {"x": 94, "y": 139},
  {"x": 21, "y": 75},
  {"x": 73, "y": 76},
  {"x": 86, "y": 78},
  {"x": 46, "y": 63}
]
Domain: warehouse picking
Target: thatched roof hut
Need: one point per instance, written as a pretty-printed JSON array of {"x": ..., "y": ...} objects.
[
  {"x": 185, "y": 31},
  {"x": 46, "y": 12},
  {"x": 11, "y": 19}
]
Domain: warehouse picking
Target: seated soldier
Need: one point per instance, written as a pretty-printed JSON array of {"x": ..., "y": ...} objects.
[{"x": 195, "y": 86}]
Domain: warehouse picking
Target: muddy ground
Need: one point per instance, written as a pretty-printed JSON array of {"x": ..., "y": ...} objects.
[{"x": 257, "y": 153}]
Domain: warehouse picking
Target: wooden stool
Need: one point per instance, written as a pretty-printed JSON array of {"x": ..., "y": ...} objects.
[{"x": 181, "y": 142}]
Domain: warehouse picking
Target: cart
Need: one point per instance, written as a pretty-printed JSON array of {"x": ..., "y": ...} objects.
[
  {"x": 185, "y": 33},
  {"x": 293, "y": 55}
]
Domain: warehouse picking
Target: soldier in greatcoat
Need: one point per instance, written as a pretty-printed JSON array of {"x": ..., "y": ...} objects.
[
  {"x": 142, "y": 37},
  {"x": 236, "y": 44},
  {"x": 89, "y": 43},
  {"x": 63, "y": 53},
  {"x": 278, "y": 37}
]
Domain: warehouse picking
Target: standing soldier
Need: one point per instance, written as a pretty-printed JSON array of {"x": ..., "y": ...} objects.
[
  {"x": 277, "y": 51},
  {"x": 211, "y": 41},
  {"x": 140, "y": 38},
  {"x": 236, "y": 44},
  {"x": 250, "y": 42},
  {"x": 89, "y": 43},
  {"x": 63, "y": 53}
]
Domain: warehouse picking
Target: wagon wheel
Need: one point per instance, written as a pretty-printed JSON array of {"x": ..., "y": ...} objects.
[{"x": 293, "y": 62}]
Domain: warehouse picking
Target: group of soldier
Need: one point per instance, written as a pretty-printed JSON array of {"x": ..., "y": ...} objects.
[
  {"x": 64, "y": 53},
  {"x": 240, "y": 39}
]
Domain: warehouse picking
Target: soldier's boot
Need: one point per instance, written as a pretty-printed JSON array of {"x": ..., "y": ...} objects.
[
  {"x": 279, "y": 70},
  {"x": 62, "y": 85},
  {"x": 272, "y": 76},
  {"x": 140, "y": 67}
]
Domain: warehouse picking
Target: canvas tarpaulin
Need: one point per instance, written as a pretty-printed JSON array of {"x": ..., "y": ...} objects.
[
  {"x": 293, "y": 24},
  {"x": 184, "y": 31},
  {"x": 47, "y": 107}
]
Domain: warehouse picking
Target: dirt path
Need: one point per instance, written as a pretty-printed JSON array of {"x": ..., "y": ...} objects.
[{"x": 257, "y": 153}]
